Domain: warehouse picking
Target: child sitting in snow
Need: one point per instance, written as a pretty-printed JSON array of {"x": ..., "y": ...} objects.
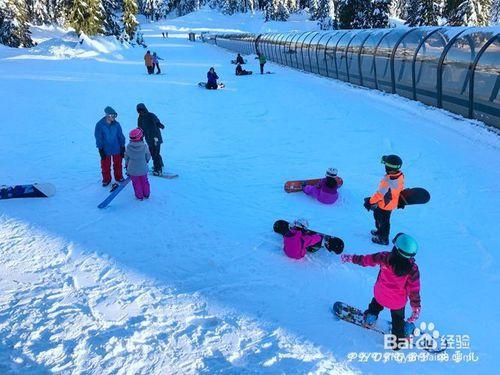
[
  {"x": 297, "y": 239},
  {"x": 137, "y": 156},
  {"x": 324, "y": 191}
]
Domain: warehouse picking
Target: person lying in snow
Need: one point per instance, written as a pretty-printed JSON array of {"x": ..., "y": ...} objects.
[
  {"x": 324, "y": 191},
  {"x": 297, "y": 239}
]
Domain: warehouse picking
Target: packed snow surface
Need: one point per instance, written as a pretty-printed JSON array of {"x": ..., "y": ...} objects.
[{"x": 194, "y": 280}]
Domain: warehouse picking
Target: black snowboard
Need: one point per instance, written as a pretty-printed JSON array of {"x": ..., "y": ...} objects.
[
  {"x": 332, "y": 243},
  {"x": 413, "y": 196},
  {"x": 204, "y": 85}
]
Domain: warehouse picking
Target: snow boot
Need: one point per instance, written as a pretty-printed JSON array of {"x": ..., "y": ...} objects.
[
  {"x": 105, "y": 183},
  {"x": 374, "y": 232},
  {"x": 380, "y": 241},
  {"x": 369, "y": 319}
]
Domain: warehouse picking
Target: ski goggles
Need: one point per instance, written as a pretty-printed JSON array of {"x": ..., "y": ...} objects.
[{"x": 389, "y": 164}]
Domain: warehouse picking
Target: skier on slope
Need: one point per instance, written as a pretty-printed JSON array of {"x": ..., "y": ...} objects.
[
  {"x": 212, "y": 78},
  {"x": 239, "y": 59},
  {"x": 149, "y": 123},
  {"x": 297, "y": 240},
  {"x": 397, "y": 281},
  {"x": 241, "y": 72},
  {"x": 137, "y": 156},
  {"x": 386, "y": 198},
  {"x": 110, "y": 142},
  {"x": 324, "y": 191},
  {"x": 148, "y": 61},
  {"x": 156, "y": 63}
]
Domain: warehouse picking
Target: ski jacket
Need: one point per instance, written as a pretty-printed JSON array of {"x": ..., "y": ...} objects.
[
  {"x": 262, "y": 59},
  {"x": 391, "y": 290},
  {"x": 150, "y": 125},
  {"x": 212, "y": 78},
  {"x": 137, "y": 156},
  {"x": 387, "y": 195},
  {"x": 148, "y": 59},
  {"x": 109, "y": 137},
  {"x": 155, "y": 59},
  {"x": 322, "y": 192},
  {"x": 239, "y": 60},
  {"x": 296, "y": 243}
]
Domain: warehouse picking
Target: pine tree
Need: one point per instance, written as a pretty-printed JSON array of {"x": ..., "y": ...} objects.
[
  {"x": 378, "y": 13},
  {"x": 495, "y": 12},
  {"x": 325, "y": 15},
  {"x": 468, "y": 12},
  {"x": 85, "y": 16},
  {"x": 276, "y": 10},
  {"x": 398, "y": 8},
  {"x": 354, "y": 14},
  {"x": 422, "y": 13},
  {"x": 129, "y": 21},
  {"x": 313, "y": 9},
  {"x": 14, "y": 28},
  {"x": 108, "y": 10}
]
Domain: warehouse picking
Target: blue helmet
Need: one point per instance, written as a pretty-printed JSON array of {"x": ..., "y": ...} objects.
[{"x": 405, "y": 245}]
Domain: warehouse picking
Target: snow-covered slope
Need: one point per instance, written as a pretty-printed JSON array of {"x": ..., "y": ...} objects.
[{"x": 194, "y": 280}]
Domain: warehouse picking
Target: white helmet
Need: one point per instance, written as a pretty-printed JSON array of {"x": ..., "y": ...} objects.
[
  {"x": 331, "y": 172},
  {"x": 301, "y": 223}
]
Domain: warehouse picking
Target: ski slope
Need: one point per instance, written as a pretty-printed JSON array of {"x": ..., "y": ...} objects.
[{"x": 194, "y": 280}]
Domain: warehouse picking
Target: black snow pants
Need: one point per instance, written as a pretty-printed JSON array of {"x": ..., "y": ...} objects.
[
  {"x": 397, "y": 316},
  {"x": 155, "y": 155},
  {"x": 262, "y": 68},
  {"x": 382, "y": 222}
]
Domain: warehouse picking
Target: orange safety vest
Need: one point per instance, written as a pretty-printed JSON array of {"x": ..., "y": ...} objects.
[{"x": 387, "y": 195}]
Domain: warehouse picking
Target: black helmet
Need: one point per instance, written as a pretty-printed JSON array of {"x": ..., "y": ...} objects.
[
  {"x": 281, "y": 227},
  {"x": 392, "y": 162}
]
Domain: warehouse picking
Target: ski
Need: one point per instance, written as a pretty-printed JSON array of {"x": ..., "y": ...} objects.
[{"x": 115, "y": 190}]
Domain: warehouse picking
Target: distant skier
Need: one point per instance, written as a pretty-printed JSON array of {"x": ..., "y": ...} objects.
[
  {"x": 156, "y": 63},
  {"x": 137, "y": 157},
  {"x": 262, "y": 61},
  {"x": 148, "y": 60},
  {"x": 297, "y": 240},
  {"x": 386, "y": 198},
  {"x": 149, "y": 123},
  {"x": 239, "y": 59},
  {"x": 110, "y": 142},
  {"x": 241, "y": 72},
  {"x": 324, "y": 191},
  {"x": 397, "y": 281},
  {"x": 212, "y": 78}
]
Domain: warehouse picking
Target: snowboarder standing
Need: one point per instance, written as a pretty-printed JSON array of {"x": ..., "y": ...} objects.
[
  {"x": 262, "y": 61},
  {"x": 397, "y": 281},
  {"x": 156, "y": 63},
  {"x": 111, "y": 145},
  {"x": 148, "y": 60},
  {"x": 150, "y": 125},
  {"x": 239, "y": 59},
  {"x": 212, "y": 78},
  {"x": 386, "y": 198},
  {"x": 297, "y": 240},
  {"x": 137, "y": 156},
  {"x": 324, "y": 191}
]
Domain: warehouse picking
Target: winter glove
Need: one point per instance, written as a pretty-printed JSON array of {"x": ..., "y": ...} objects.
[
  {"x": 102, "y": 153},
  {"x": 122, "y": 151},
  {"x": 161, "y": 126},
  {"x": 346, "y": 258},
  {"x": 414, "y": 315},
  {"x": 367, "y": 204}
]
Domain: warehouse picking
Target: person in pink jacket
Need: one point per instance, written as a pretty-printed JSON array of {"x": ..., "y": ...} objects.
[
  {"x": 324, "y": 191},
  {"x": 398, "y": 280},
  {"x": 297, "y": 239}
]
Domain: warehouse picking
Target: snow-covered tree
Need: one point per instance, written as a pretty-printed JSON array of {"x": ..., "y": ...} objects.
[
  {"x": 495, "y": 12},
  {"x": 467, "y": 12},
  {"x": 422, "y": 12},
  {"x": 353, "y": 14},
  {"x": 378, "y": 12},
  {"x": 187, "y": 6},
  {"x": 109, "y": 22},
  {"x": 14, "y": 28},
  {"x": 85, "y": 16},
  {"x": 398, "y": 8},
  {"x": 325, "y": 14},
  {"x": 155, "y": 9},
  {"x": 128, "y": 19},
  {"x": 276, "y": 10}
]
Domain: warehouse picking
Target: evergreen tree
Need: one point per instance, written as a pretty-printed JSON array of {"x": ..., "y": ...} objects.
[
  {"x": 422, "y": 13},
  {"x": 495, "y": 12},
  {"x": 468, "y": 12},
  {"x": 313, "y": 9},
  {"x": 14, "y": 28},
  {"x": 276, "y": 10},
  {"x": 354, "y": 14},
  {"x": 85, "y": 16},
  {"x": 108, "y": 10},
  {"x": 378, "y": 13},
  {"x": 325, "y": 15},
  {"x": 128, "y": 19},
  {"x": 398, "y": 8}
]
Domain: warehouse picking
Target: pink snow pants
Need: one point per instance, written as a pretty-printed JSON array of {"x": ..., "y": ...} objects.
[{"x": 141, "y": 186}]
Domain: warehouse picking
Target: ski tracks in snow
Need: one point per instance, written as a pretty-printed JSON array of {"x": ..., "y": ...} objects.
[{"x": 67, "y": 311}]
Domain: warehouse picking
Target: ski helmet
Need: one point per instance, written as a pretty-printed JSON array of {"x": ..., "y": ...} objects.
[
  {"x": 281, "y": 227},
  {"x": 392, "y": 162},
  {"x": 136, "y": 134},
  {"x": 331, "y": 172},
  {"x": 335, "y": 244},
  {"x": 301, "y": 223},
  {"x": 405, "y": 245}
]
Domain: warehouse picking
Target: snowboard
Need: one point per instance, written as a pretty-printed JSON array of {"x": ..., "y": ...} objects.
[
  {"x": 355, "y": 316},
  {"x": 249, "y": 73},
  {"x": 298, "y": 185},
  {"x": 27, "y": 191},
  {"x": 329, "y": 240},
  {"x": 234, "y": 61},
  {"x": 115, "y": 190},
  {"x": 204, "y": 85},
  {"x": 413, "y": 196},
  {"x": 167, "y": 175}
]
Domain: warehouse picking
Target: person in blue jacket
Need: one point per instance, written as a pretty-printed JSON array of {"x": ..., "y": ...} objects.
[
  {"x": 110, "y": 142},
  {"x": 212, "y": 78}
]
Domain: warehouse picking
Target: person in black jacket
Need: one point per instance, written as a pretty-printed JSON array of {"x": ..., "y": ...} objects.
[
  {"x": 151, "y": 125},
  {"x": 242, "y": 72},
  {"x": 239, "y": 59}
]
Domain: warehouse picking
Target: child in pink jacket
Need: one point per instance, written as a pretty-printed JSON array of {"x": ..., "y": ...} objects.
[
  {"x": 297, "y": 239},
  {"x": 324, "y": 191},
  {"x": 137, "y": 156},
  {"x": 397, "y": 281}
]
